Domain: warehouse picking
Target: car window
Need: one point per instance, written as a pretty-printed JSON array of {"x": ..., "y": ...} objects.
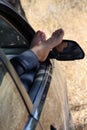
[
  {"x": 13, "y": 112},
  {"x": 11, "y": 38},
  {"x": 8, "y": 36}
]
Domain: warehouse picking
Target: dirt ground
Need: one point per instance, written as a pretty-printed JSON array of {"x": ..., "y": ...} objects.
[{"x": 48, "y": 15}]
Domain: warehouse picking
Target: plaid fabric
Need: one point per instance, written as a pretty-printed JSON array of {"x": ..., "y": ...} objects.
[{"x": 42, "y": 77}]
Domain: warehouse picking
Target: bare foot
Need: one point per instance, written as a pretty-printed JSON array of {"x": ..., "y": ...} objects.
[
  {"x": 42, "y": 46},
  {"x": 38, "y": 38},
  {"x": 56, "y": 38}
]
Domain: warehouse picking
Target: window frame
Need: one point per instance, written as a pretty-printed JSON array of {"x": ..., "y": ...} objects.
[
  {"x": 25, "y": 97},
  {"x": 16, "y": 20}
]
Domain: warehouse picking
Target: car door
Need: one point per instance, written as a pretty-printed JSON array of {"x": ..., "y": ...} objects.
[
  {"x": 13, "y": 112},
  {"x": 15, "y": 106},
  {"x": 44, "y": 109},
  {"x": 12, "y": 43}
]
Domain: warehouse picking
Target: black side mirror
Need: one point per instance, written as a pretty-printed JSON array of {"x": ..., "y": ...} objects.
[{"x": 68, "y": 50}]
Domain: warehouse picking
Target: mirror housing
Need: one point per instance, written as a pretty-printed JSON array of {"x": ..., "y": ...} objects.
[{"x": 68, "y": 50}]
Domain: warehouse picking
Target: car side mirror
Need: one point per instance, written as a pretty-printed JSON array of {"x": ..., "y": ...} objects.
[{"x": 69, "y": 50}]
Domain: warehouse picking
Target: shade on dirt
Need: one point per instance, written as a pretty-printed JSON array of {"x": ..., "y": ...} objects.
[{"x": 48, "y": 15}]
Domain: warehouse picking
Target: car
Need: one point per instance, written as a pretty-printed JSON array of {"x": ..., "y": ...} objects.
[{"x": 44, "y": 107}]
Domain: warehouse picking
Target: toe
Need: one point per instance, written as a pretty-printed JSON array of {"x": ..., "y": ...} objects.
[
  {"x": 58, "y": 32},
  {"x": 41, "y": 35}
]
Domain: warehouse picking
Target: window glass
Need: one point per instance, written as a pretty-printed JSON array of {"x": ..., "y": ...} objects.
[
  {"x": 13, "y": 113},
  {"x": 9, "y": 37}
]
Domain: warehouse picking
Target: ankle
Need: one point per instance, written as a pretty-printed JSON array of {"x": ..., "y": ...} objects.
[{"x": 40, "y": 53}]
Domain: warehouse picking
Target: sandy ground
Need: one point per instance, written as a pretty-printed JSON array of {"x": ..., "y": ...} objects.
[{"x": 48, "y": 15}]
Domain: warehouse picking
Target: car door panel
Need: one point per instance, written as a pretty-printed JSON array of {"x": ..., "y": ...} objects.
[
  {"x": 55, "y": 113},
  {"x": 15, "y": 104},
  {"x": 13, "y": 112}
]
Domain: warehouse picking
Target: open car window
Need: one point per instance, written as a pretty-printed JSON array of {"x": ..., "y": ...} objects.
[{"x": 13, "y": 112}]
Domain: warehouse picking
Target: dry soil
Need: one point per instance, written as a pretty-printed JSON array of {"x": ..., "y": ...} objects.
[{"x": 71, "y": 15}]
